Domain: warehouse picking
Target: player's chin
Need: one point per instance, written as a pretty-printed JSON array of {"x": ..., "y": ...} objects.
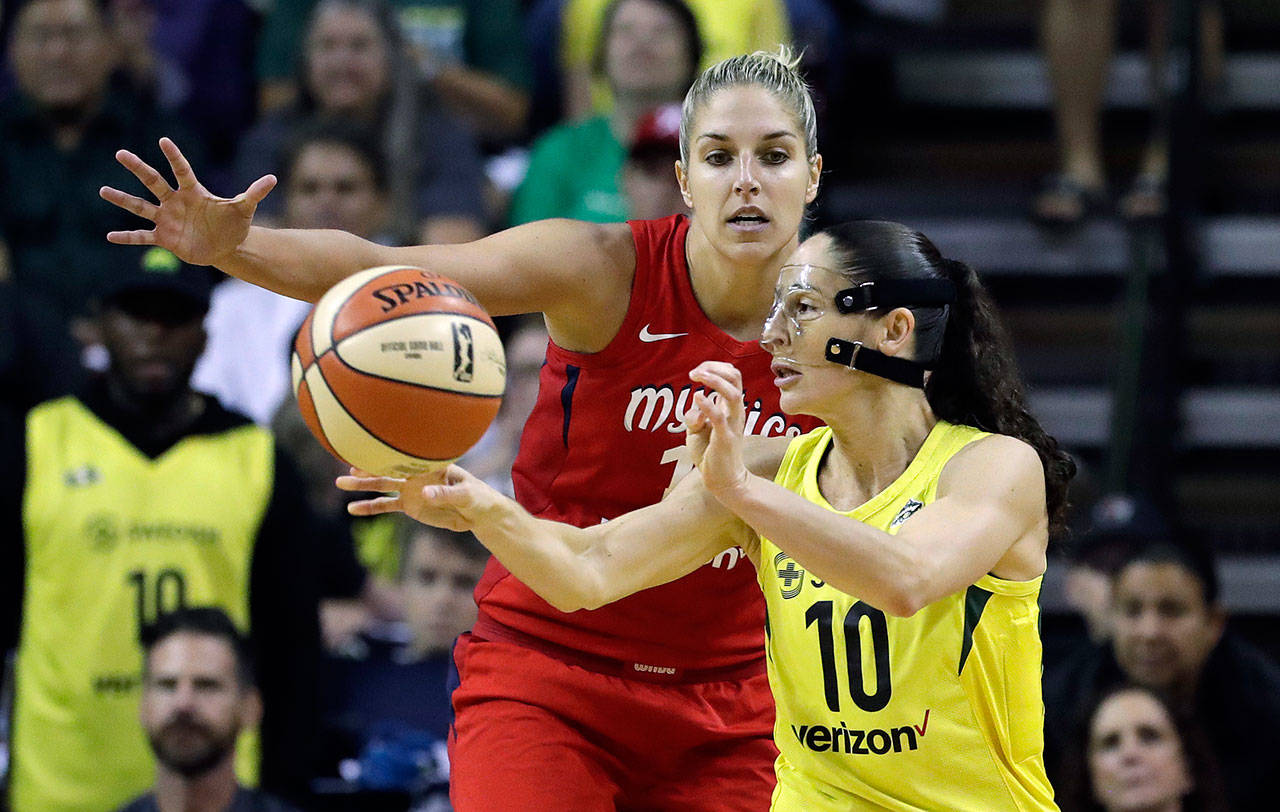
[{"x": 793, "y": 401}]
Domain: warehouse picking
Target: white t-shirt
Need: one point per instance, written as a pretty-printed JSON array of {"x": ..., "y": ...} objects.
[{"x": 246, "y": 361}]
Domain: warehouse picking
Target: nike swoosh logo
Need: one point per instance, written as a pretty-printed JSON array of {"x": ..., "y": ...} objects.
[{"x": 649, "y": 337}]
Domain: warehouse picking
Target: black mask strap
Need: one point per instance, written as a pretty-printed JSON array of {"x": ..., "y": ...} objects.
[
  {"x": 891, "y": 293},
  {"x": 855, "y": 355}
]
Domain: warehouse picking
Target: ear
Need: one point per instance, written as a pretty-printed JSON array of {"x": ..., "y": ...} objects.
[
  {"x": 682, "y": 177},
  {"x": 899, "y": 327},
  {"x": 1217, "y": 623},
  {"x": 815, "y": 175},
  {"x": 250, "y": 708}
]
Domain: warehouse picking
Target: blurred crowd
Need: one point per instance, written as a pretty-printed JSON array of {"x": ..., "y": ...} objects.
[{"x": 309, "y": 653}]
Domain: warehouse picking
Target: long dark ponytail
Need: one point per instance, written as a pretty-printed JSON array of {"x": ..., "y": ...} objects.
[{"x": 976, "y": 381}]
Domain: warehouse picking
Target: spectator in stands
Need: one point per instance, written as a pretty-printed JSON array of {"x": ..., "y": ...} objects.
[
  {"x": 198, "y": 696},
  {"x": 355, "y": 69},
  {"x": 56, "y": 134},
  {"x": 1078, "y": 41},
  {"x": 396, "y": 692},
  {"x": 195, "y": 58},
  {"x": 725, "y": 28},
  {"x": 469, "y": 53},
  {"x": 648, "y": 180},
  {"x": 1118, "y": 524},
  {"x": 1137, "y": 753},
  {"x": 137, "y": 496},
  {"x": 333, "y": 176},
  {"x": 649, "y": 53},
  {"x": 1169, "y": 633}
]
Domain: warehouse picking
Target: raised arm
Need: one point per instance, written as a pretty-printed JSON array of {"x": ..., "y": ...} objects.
[
  {"x": 989, "y": 517},
  {"x": 569, "y": 567},
  {"x": 578, "y": 274}
]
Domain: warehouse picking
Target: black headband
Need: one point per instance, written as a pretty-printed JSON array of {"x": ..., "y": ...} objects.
[{"x": 890, "y": 293}]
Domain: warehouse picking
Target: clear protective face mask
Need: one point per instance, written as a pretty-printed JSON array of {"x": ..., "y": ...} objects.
[{"x": 805, "y": 293}]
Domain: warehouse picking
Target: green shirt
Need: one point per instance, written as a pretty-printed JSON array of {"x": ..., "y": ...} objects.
[
  {"x": 573, "y": 172},
  {"x": 485, "y": 34}
]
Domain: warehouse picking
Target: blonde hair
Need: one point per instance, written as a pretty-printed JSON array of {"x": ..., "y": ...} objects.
[{"x": 777, "y": 73}]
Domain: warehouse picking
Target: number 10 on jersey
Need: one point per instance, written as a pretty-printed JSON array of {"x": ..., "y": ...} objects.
[{"x": 821, "y": 615}]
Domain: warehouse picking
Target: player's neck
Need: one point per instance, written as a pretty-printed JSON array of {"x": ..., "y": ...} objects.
[
  {"x": 874, "y": 443},
  {"x": 735, "y": 293},
  {"x": 212, "y": 791}
]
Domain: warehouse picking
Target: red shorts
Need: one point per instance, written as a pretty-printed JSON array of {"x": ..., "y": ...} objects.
[{"x": 532, "y": 732}]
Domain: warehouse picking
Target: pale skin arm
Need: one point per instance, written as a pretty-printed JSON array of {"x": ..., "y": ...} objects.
[
  {"x": 571, "y": 568},
  {"x": 562, "y": 268},
  {"x": 584, "y": 568},
  {"x": 989, "y": 517}
]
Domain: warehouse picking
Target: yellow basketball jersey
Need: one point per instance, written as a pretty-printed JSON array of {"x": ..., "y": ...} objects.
[
  {"x": 112, "y": 538},
  {"x": 938, "y": 711}
]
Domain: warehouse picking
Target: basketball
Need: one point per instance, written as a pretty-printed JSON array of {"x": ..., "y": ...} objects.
[{"x": 398, "y": 370}]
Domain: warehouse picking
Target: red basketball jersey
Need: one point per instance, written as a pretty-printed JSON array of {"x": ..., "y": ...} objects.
[{"x": 606, "y": 437}]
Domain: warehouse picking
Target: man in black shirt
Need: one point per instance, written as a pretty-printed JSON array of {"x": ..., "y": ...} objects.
[{"x": 198, "y": 694}]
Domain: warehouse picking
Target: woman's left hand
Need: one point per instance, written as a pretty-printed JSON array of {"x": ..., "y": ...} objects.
[
  {"x": 450, "y": 498},
  {"x": 715, "y": 427}
]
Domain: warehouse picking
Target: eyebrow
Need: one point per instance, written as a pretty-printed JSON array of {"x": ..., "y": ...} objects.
[{"x": 770, "y": 137}]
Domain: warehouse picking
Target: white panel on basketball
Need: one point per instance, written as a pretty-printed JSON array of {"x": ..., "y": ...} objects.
[
  {"x": 327, "y": 308},
  {"x": 295, "y": 371},
  {"x": 352, "y": 442},
  {"x": 419, "y": 349}
]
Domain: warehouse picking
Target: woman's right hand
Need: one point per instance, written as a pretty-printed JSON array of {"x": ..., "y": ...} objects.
[
  {"x": 451, "y": 498},
  {"x": 715, "y": 428},
  {"x": 196, "y": 225}
]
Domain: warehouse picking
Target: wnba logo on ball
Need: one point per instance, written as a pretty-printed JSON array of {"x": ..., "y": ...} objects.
[
  {"x": 464, "y": 353},
  {"x": 364, "y": 374}
]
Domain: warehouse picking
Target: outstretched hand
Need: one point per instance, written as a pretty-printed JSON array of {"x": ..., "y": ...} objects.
[
  {"x": 450, "y": 498},
  {"x": 196, "y": 225},
  {"x": 715, "y": 426}
]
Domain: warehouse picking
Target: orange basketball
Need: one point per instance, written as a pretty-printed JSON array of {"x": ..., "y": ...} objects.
[{"x": 398, "y": 370}]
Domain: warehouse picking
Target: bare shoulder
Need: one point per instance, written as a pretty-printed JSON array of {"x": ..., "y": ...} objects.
[
  {"x": 999, "y": 465},
  {"x": 598, "y": 264},
  {"x": 763, "y": 455},
  {"x": 587, "y": 247}
]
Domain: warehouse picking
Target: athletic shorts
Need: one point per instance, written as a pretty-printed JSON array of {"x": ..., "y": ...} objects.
[{"x": 534, "y": 733}]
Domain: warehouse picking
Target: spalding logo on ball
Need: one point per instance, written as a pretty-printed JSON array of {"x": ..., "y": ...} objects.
[{"x": 398, "y": 370}]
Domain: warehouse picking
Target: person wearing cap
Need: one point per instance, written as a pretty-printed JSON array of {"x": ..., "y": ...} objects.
[
  {"x": 1119, "y": 523},
  {"x": 134, "y": 497},
  {"x": 647, "y": 186},
  {"x": 649, "y": 52},
  {"x": 1170, "y": 633}
]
